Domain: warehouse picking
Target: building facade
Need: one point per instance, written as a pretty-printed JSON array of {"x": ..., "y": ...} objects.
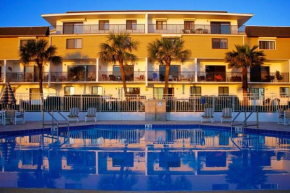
[{"x": 209, "y": 35}]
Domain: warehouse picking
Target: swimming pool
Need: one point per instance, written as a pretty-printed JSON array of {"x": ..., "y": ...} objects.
[{"x": 120, "y": 157}]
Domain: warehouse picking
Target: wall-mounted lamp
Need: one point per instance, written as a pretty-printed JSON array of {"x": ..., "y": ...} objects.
[{"x": 64, "y": 64}]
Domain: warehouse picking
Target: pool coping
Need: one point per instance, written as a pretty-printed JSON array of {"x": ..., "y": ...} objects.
[{"x": 161, "y": 125}]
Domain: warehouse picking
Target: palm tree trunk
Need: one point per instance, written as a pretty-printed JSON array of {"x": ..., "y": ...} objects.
[
  {"x": 40, "y": 82},
  {"x": 245, "y": 86},
  {"x": 167, "y": 68},
  {"x": 123, "y": 78}
]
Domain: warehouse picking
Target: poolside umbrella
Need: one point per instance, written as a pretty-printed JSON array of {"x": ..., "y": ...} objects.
[{"x": 7, "y": 96}]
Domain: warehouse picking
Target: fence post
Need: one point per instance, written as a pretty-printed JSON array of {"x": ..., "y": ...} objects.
[
  {"x": 137, "y": 104},
  {"x": 233, "y": 103},
  {"x": 81, "y": 107},
  {"x": 213, "y": 103}
]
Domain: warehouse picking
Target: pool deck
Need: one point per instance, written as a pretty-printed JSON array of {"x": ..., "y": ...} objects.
[
  {"x": 271, "y": 126},
  {"x": 21, "y": 190}
]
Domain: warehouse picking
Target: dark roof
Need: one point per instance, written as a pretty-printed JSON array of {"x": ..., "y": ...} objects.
[
  {"x": 146, "y": 11},
  {"x": 24, "y": 31},
  {"x": 263, "y": 31}
]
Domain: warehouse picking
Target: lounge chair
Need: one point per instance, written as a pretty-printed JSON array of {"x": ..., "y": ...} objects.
[
  {"x": 20, "y": 115},
  {"x": 226, "y": 114},
  {"x": 73, "y": 114},
  {"x": 208, "y": 115},
  {"x": 280, "y": 116},
  {"x": 287, "y": 117},
  {"x": 10, "y": 115},
  {"x": 91, "y": 114}
]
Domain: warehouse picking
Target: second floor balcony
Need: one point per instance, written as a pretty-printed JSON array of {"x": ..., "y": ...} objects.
[
  {"x": 133, "y": 76},
  {"x": 25, "y": 77},
  {"x": 219, "y": 77},
  {"x": 69, "y": 77},
  {"x": 178, "y": 76}
]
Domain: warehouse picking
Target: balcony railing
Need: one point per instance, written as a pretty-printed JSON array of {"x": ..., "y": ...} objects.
[
  {"x": 219, "y": 76},
  {"x": 135, "y": 76},
  {"x": 195, "y": 29},
  {"x": 25, "y": 77},
  {"x": 64, "y": 77},
  {"x": 100, "y": 29},
  {"x": 176, "y": 76},
  {"x": 272, "y": 77}
]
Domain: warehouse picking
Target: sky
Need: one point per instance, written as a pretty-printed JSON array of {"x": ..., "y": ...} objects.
[{"x": 28, "y": 12}]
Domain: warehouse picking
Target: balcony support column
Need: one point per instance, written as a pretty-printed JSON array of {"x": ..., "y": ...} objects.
[
  {"x": 146, "y": 24},
  {"x": 49, "y": 74},
  {"x": 97, "y": 69},
  {"x": 146, "y": 71},
  {"x": 195, "y": 69},
  {"x": 4, "y": 70}
]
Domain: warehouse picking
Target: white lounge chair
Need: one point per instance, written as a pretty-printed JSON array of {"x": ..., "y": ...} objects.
[
  {"x": 226, "y": 114},
  {"x": 286, "y": 117},
  {"x": 10, "y": 115},
  {"x": 208, "y": 115},
  {"x": 91, "y": 114},
  {"x": 73, "y": 114},
  {"x": 20, "y": 115}
]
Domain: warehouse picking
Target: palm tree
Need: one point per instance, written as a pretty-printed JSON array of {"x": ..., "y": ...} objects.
[
  {"x": 244, "y": 57},
  {"x": 40, "y": 52},
  {"x": 118, "y": 48},
  {"x": 164, "y": 51}
]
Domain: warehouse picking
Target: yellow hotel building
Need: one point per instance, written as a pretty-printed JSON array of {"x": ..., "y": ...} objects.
[{"x": 208, "y": 34}]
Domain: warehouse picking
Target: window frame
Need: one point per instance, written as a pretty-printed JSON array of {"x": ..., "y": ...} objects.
[
  {"x": 131, "y": 24},
  {"x": 97, "y": 87},
  {"x": 284, "y": 94},
  {"x": 104, "y": 24},
  {"x": 163, "y": 25},
  {"x": 265, "y": 40},
  {"x": 220, "y": 43},
  {"x": 195, "y": 88},
  {"x": 75, "y": 39},
  {"x": 223, "y": 93},
  {"x": 70, "y": 91},
  {"x": 74, "y": 27}
]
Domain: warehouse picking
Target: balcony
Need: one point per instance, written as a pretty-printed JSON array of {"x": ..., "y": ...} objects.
[
  {"x": 68, "y": 77},
  {"x": 176, "y": 76},
  {"x": 100, "y": 29},
  {"x": 195, "y": 29},
  {"x": 134, "y": 76},
  {"x": 25, "y": 77},
  {"x": 219, "y": 76},
  {"x": 270, "y": 77}
]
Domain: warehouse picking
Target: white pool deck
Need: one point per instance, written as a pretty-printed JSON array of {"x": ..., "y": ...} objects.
[{"x": 38, "y": 125}]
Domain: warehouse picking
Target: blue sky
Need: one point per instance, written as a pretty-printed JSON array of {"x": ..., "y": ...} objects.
[{"x": 28, "y": 12}]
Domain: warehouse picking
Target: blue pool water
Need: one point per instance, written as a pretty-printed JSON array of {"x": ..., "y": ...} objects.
[{"x": 134, "y": 158}]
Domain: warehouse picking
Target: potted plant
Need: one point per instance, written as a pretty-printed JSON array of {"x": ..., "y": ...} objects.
[{"x": 278, "y": 75}]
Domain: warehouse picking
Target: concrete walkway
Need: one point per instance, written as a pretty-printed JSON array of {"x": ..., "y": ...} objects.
[{"x": 38, "y": 125}]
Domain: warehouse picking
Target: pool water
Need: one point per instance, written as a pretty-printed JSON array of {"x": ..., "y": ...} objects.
[{"x": 146, "y": 159}]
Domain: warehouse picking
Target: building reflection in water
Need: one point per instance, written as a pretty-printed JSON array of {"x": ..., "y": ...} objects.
[{"x": 138, "y": 159}]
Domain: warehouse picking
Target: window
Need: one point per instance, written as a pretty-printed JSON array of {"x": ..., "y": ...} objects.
[
  {"x": 161, "y": 25},
  {"x": 188, "y": 25},
  {"x": 97, "y": 90},
  {"x": 132, "y": 91},
  {"x": 81, "y": 73},
  {"x": 215, "y": 73},
  {"x": 131, "y": 24},
  {"x": 220, "y": 27},
  {"x": 218, "y": 43},
  {"x": 128, "y": 70},
  {"x": 195, "y": 90},
  {"x": 34, "y": 94},
  {"x": 223, "y": 91},
  {"x": 69, "y": 90},
  {"x": 104, "y": 25},
  {"x": 73, "y": 28},
  {"x": 158, "y": 93},
  {"x": 23, "y": 42},
  {"x": 267, "y": 45},
  {"x": 174, "y": 71},
  {"x": 284, "y": 91},
  {"x": 74, "y": 43},
  {"x": 258, "y": 93}
]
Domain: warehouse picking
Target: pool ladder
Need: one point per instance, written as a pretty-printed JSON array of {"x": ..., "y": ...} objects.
[
  {"x": 55, "y": 124},
  {"x": 238, "y": 132}
]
